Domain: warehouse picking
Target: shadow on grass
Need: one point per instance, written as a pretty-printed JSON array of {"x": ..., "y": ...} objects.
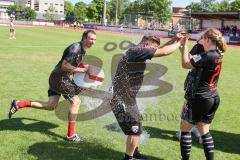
[
  {"x": 75, "y": 151},
  {"x": 223, "y": 141},
  {"x": 29, "y": 124}
]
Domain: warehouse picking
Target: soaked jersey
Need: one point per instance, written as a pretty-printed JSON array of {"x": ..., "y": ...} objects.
[
  {"x": 209, "y": 65},
  {"x": 61, "y": 81},
  {"x": 193, "y": 77},
  {"x": 130, "y": 73}
]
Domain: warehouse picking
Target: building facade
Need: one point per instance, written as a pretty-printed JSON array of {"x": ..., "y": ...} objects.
[
  {"x": 3, "y": 8},
  {"x": 42, "y": 7},
  {"x": 55, "y": 8}
]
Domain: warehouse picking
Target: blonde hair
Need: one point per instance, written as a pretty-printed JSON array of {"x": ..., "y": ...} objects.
[{"x": 216, "y": 37}]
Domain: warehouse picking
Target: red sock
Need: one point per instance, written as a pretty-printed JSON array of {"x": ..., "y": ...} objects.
[
  {"x": 71, "y": 126},
  {"x": 23, "y": 104}
]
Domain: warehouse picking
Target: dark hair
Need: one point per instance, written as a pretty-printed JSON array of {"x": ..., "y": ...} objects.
[
  {"x": 154, "y": 39},
  {"x": 85, "y": 34}
]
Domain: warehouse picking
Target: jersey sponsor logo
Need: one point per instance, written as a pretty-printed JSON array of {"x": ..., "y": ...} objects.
[
  {"x": 135, "y": 129},
  {"x": 196, "y": 58}
]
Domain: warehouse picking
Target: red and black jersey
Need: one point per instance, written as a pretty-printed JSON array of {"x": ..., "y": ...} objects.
[{"x": 209, "y": 64}]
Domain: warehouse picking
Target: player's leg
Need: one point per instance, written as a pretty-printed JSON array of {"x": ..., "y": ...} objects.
[
  {"x": 51, "y": 104},
  {"x": 186, "y": 128},
  {"x": 131, "y": 145},
  {"x": 178, "y": 134},
  {"x": 207, "y": 140},
  {"x": 129, "y": 120},
  {"x": 13, "y": 34},
  {"x": 72, "y": 116},
  {"x": 211, "y": 106},
  {"x": 10, "y": 34},
  {"x": 186, "y": 139}
]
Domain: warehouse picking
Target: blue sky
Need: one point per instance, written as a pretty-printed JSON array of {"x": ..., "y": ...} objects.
[{"x": 176, "y": 3}]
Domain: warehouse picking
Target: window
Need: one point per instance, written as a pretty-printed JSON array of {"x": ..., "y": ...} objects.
[
  {"x": 61, "y": 4},
  {"x": 46, "y": 3}
]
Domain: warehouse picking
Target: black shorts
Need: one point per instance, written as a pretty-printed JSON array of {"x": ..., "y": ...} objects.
[
  {"x": 11, "y": 30},
  {"x": 62, "y": 85},
  {"x": 53, "y": 93},
  {"x": 200, "y": 110},
  {"x": 128, "y": 117}
]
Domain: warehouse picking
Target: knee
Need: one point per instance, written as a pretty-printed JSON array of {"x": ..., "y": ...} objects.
[
  {"x": 51, "y": 106},
  {"x": 76, "y": 101}
]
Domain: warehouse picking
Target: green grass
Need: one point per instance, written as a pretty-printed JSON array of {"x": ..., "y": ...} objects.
[{"x": 25, "y": 64}]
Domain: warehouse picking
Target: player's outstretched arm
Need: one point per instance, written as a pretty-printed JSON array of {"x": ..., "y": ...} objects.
[
  {"x": 167, "y": 50},
  {"x": 186, "y": 57},
  {"x": 177, "y": 37}
]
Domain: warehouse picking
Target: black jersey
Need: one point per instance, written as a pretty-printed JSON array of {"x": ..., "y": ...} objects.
[
  {"x": 60, "y": 81},
  {"x": 210, "y": 66},
  {"x": 72, "y": 54},
  {"x": 130, "y": 73},
  {"x": 197, "y": 49},
  {"x": 192, "y": 79}
]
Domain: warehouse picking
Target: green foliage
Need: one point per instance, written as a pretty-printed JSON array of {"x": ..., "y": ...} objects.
[
  {"x": 213, "y": 6},
  {"x": 69, "y": 12},
  {"x": 195, "y": 6},
  {"x": 92, "y": 11},
  {"x": 21, "y": 12},
  {"x": 155, "y": 8},
  {"x": 235, "y": 5},
  {"x": 120, "y": 8},
  {"x": 80, "y": 10},
  {"x": 29, "y": 13}
]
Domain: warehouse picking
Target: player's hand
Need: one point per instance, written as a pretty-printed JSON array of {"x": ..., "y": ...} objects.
[
  {"x": 81, "y": 70},
  {"x": 179, "y": 35},
  {"x": 185, "y": 39},
  {"x": 88, "y": 71}
]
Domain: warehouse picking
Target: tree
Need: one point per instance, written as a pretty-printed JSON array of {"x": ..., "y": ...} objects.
[
  {"x": 120, "y": 8},
  {"x": 158, "y": 8},
  {"x": 207, "y": 5},
  {"x": 235, "y": 5},
  {"x": 21, "y": 12},
  {"x": 95, "y": 10},
  {"x": 223, "y": 6},
  {"x": 155, "y": 8},
  {"x": 195, "y": 7},
  {"x": 69, "y": 12},
  {"x": 17, "y": 10},
  {"x": 68, "y": 7},
  {"x": 29, "y": 14},
  {"x": 50, "y": 13},
  {"x": 80, "y": 10},
  {"x": 136, "y": 6},
  {"x": 92, "y": 12}
]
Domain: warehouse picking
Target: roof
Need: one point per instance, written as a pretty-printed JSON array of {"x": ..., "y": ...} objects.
[{"x": 215, "y": 15}]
